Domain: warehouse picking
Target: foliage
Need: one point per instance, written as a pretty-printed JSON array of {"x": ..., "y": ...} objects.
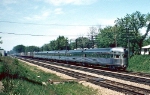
[
  {"x": 45, "y": 47},
  {"x": 29, "y": 81},
  {"x": 139, "y": 63},
  {"x": 31, "y": 49},
  {"x": 126, "y": 30},
  {"x": 82, "y": 42},
  {"x": 105, "y": 37},
  {"x": 72, "y": 88},
  {"x": 22, "y": 48},
  {"x": 146, "y": 41},
  {"x": 60, "y": 43},
  {"x": 53, "y": 45},
  {"x": 19, "y": 48},
  {"x": 131, "y": 24}
]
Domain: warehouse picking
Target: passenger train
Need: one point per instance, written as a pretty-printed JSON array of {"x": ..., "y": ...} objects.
[{"x": 114, "y": 58}]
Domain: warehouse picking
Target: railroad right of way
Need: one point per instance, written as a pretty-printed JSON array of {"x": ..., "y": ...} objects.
[{"x": 110, "y": 84}]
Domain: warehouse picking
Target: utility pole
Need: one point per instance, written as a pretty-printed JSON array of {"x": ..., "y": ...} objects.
[
  {"x": 128, "y": 39},
  {"x": 76, "y": 44},
  {"x": 66, "y": 44},
  {"x": 127, "y": 31},
  {"x": 82, "y": 42},
  {"x": 58, "y": 45},
  {"x": 92, "y": 41},
  {"x": 115, "y": 36}
]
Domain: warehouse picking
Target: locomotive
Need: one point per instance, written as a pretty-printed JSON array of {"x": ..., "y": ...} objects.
[{"x": 114, "y": 58}]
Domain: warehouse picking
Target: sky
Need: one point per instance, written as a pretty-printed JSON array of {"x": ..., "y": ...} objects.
[{"x": 37, "y": 22}]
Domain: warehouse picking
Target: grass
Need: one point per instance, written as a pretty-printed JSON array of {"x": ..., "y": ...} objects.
[
  {"x": 21, "y": 79},
  {"x": 139, "y": 63}
]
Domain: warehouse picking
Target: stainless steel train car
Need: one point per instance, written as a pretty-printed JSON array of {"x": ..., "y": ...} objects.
[{"x": 114, "y": 58}]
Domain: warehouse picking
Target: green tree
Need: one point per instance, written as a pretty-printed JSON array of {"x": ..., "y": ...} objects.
[
  {"x": 53, "y": 45},
  {"x": 46, "y": 47},
  {"x": 61, "y": 43},
  {"x": 131, "y": 24},
  {"x": 105, "y": 37},
  {"x": 146, "y": 42},
  {"x": 82, "y": 42},
  {"x": 19, "y": 48},
  {"x": 31, "y": 49}
]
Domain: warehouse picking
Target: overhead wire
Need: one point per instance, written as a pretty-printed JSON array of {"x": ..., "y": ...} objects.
[
  {"x": 13, "y": 22},
  {"x": 32, "y": 34},
  {"x": 49, "y": 24}
]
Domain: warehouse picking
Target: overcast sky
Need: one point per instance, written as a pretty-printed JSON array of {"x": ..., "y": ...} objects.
[{"x": 41, "y": 21}]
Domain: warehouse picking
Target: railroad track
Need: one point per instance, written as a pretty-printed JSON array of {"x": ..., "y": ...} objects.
[
  {"x": 117, "y": 86},
  {"x": 144, "y": 79}
]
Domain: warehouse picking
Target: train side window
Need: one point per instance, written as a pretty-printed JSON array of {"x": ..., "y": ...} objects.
[
  {"x": 84, "y": 55},
  {"x": 111, "y": 55},
  {"x": 68, "y": 54},
  {"x": 88, "y": 54}
]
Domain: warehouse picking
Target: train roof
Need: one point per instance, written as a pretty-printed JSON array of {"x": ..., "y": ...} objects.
[
  {"x": 74, "y": 51},
  {"x": 46, "y": 52},
  {"x": 98, "y": 50},
  {"x": 115, "y": 49}
]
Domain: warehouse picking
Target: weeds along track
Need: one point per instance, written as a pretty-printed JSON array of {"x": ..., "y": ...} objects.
[{"x": 113, "y": 85}]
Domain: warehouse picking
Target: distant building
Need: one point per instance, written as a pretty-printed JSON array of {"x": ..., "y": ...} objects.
[
  {"x": 145, "y": 50},
  {"x": 2, "y": 52}
]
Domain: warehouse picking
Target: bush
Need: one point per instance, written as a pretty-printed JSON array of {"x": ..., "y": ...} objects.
[{"x": 139, "y": 63}]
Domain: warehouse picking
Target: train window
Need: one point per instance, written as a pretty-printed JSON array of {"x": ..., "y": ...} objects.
[
  {"x": 68, "y": 54},
  {"x": 104, "y": 55},
  {"x": 90, "y": 54},
  {"x": 111, "y": 55},
  {"x": 107, "y": 56},
  {"x": 77, "y": 54},
  {"x": 62, "y": 54},
  {"x": 98, "y": 55},
  {"x": 84, "y": 55},
  {"x": 117, "y": 56}
]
